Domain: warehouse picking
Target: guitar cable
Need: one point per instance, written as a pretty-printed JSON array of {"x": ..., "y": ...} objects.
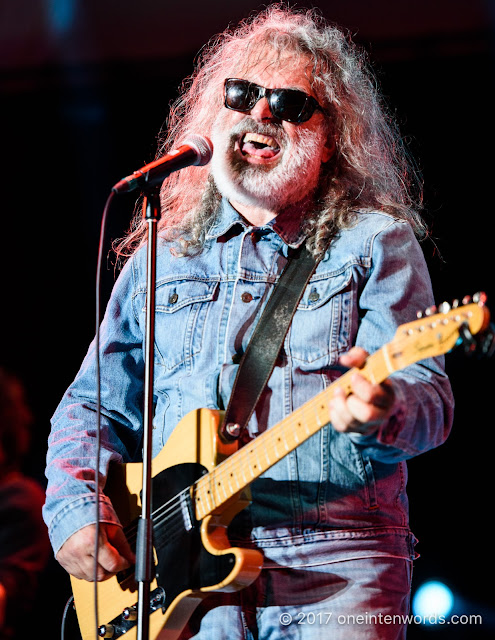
[
  {"x": 98, "y": 402},
  {"x": 64, "y": 617}
]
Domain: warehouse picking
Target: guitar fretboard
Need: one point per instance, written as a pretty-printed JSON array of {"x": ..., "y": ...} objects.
[
  {"x": 239, "y": 470},
  {"x": 426, "y": 337}
]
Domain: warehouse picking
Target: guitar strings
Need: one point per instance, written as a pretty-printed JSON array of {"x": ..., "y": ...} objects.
[
  {"x": 171, "y": 513},
  {"x": 169, "y": 506},
  {"x": 221, "y": 476}
]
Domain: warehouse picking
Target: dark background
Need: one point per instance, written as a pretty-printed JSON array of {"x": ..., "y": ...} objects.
[{"x": 85, "y": 88}]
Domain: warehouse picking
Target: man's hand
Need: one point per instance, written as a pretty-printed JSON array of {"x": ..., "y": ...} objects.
[
  {"x": 77, "y": 554},
  {"x": 367, "y": 406}
]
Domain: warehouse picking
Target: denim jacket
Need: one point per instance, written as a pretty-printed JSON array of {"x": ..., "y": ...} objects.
[{"x": 334, "y": 486}]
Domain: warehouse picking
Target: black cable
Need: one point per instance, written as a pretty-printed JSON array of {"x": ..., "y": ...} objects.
[
  {"x": 98, "y": 401},
  {"x": 64, "y": 617}
]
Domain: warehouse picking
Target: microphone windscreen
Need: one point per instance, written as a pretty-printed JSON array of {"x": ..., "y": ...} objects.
[{"x": 202, "y": 145}]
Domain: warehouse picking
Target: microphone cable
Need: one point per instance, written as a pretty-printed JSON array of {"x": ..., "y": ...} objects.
[{"x": 98, "y": 400}]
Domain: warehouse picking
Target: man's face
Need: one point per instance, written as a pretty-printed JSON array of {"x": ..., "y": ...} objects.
[{"x": 260, "y": 160}]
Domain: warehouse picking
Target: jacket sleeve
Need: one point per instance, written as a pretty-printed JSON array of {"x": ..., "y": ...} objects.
[
  {"x": 397, "y": 287},
  {"x": 71, "y": 459}
]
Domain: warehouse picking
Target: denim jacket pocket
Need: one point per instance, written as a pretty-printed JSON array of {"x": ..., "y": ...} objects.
[
  {"x": 181, "y": 310},
  {"x": 321, "y": 325}
]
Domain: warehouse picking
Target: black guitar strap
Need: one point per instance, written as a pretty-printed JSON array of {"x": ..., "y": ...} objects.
[{"x": 262, "y": 351}]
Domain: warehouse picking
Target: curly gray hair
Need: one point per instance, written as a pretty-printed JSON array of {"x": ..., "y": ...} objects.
[{"x": 370, "y": 170}]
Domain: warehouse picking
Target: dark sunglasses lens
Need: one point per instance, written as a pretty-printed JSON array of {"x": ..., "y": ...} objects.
[
  {"x": 290, "y": 105},
  {"x": 286, "y": 104},
  {"x": 237, "y": 95}
]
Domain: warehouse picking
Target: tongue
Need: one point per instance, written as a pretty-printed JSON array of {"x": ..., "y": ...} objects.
[{"x": 256, "y": 150}]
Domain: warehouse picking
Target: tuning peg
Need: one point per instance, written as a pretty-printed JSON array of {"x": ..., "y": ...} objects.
[
  {"x": 431, "y": 310},
  {"x": 444, "y": 307},
  {"x": 419, "y": 315},
  {"x": 455, "y": 304},
  {"x": 480, "y": 298},
  {"x": 466, "y": 300}
]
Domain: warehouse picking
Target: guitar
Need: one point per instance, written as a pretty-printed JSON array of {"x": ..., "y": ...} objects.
[{"x": 200, "y": 482}]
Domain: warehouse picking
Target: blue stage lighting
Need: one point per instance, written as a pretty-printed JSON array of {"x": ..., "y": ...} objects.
[
  {"x": 62, "y": 14},
  {"x": 432, "y": 600}
]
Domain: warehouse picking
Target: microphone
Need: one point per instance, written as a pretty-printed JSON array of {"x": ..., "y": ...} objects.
[{"x": 195, "y": 150}]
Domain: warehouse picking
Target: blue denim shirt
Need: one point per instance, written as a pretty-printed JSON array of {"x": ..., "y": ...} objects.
[{"x": 342, "y": 487}]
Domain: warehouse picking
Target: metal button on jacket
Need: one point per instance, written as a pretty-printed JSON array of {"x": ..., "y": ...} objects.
[{"x": 246, "y": 297}]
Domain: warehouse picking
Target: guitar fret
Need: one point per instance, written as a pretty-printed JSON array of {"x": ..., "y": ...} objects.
[
  {"x": 265, "y": 450},
  {"x": 258, "y": 463},
  {"x": 237, "y": 481},
  {"x": 250, "y": 466},
  {"x": 222, "y": 486},
  {"x": 244, "y": 476},
  {"x": 209, "y": 497},
  {"x": 318, "y": 421},
  {"x": 232, "y": 476}
]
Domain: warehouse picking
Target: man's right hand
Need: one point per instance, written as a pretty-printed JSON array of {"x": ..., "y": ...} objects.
[{"x": 77, "y": 554}]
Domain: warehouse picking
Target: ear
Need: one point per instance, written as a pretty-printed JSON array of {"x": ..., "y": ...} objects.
[{"x": 328, "y": 149}]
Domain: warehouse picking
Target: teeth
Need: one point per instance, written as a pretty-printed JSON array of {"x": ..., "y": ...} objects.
[{"x": 256, "y": 137}]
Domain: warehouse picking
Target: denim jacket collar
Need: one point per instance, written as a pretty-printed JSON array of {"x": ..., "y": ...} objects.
[{"x": 286, "y": 227}]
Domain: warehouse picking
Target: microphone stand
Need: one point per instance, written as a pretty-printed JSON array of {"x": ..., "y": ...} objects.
[{"x": 144, "y": 555}]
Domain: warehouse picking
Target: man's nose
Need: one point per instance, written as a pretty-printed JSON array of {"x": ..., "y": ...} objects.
[{"x": 261, "y": 111}]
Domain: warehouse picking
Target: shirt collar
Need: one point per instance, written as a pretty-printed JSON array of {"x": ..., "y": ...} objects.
[
  {"x": 286, "y": 227},
  {"x": 226, "y": 218}
]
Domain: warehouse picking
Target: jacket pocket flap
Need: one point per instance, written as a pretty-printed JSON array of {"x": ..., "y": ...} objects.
[
  {"x": 318, "y": 292},
  {"x": 172, "y": 296}
]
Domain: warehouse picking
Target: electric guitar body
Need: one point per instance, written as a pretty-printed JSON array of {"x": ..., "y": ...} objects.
[
  {"x": 192, "y": 557},
  {"x": 200, "y": 483}
]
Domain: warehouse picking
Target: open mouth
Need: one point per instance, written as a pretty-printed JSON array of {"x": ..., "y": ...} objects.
[{"x": 259, "y": 146}]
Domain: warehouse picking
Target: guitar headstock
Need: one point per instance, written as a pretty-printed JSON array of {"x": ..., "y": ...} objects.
[{"x": 437, "y": 332}]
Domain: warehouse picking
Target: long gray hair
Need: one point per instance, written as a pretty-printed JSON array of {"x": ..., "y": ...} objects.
[{"x": 370, "y": 170}]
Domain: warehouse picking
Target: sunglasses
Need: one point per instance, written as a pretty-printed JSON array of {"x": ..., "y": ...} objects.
[{"x": 290, "y": 105}]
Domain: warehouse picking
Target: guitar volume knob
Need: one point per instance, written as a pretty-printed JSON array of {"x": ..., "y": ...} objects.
[
  {"x": 106, "y": 631},
  {"x": 129, "y": 613}
]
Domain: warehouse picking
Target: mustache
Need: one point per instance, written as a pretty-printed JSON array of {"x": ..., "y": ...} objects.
[{"x": 248, "y": 125}]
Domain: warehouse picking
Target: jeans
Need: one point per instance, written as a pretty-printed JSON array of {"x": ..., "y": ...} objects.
[{"x": 355, "y": 599}]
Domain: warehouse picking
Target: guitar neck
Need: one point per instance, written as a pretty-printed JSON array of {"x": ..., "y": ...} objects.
[{"x": 236, "y": 472}]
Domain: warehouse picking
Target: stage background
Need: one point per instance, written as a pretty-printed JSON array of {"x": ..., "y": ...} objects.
[{"x": 85, "y": 88}]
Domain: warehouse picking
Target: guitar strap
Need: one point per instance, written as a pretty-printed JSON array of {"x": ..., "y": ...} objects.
[{"x": 262, "y": 351}]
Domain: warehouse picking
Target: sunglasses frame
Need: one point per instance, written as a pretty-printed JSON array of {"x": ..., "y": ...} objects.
[{"x": 254, "y": 93}]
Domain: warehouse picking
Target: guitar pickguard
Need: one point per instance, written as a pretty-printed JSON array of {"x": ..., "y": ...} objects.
[{"x": 183, "y": 563}]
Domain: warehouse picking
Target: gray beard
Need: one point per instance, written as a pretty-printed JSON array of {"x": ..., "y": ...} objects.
[{"x": 275, "y": 187}]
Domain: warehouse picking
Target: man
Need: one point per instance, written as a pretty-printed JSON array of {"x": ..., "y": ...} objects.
[{"x": 303, "y": 152}]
